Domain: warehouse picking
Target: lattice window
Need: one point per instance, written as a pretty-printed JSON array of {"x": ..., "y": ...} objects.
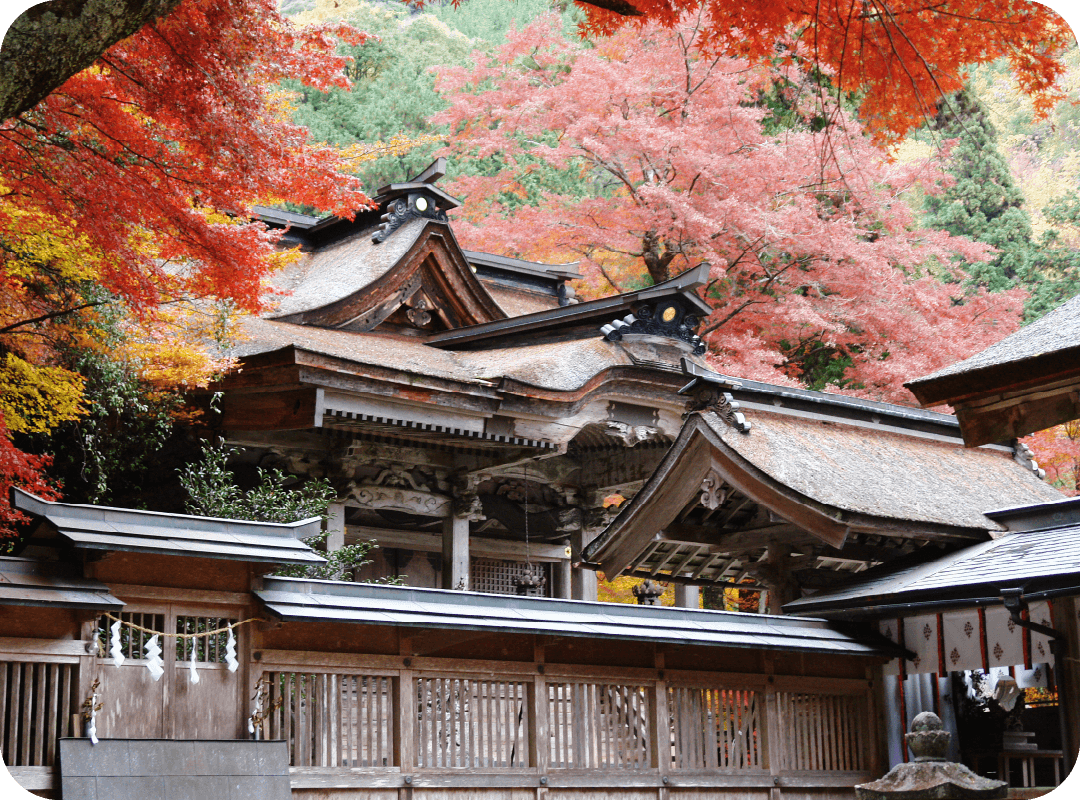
[
  {"x": 822, "y": 732},
  {"x": 330, "y": 720},
  {"x": 207, "y": 649},
  {"x": 471, "y": 723},
  {"x": 132, "y": 641},
  {"x": 500, "y": 577},
  {"x": 598, "y": 725},
  {"x": 715, "y": 728},
  {"x": 35, "y": 709}
]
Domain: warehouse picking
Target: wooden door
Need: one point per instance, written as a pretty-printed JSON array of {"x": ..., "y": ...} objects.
[{"x": 135, "y": 706}]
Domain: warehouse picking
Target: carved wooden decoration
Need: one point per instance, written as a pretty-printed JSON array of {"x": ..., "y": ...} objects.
[
  {"x": 400, "y": 211},
  {"x": 713, "y": 493},
  {"x": 710, "y": 398},
  {"x": 398, "y": 499},
  {"x": 667, "y": 318}
]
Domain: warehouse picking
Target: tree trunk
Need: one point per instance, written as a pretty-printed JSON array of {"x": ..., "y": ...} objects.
[{"x": 52, "y": 41}]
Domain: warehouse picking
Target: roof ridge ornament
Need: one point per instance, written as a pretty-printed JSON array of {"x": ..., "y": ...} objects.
[
  {"x": 710, "y": 395},
  {"x": 665, "y": 317},
  {"x": 415, "y": 205},
  {"x": 1022, "y": 455}
]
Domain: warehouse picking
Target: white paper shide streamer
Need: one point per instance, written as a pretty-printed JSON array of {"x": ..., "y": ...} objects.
[
  {"x": 115, "y": 648},
  {"x": 91, "y": 724},
  {"x": 193, "y": 674},
  {"x": 256, "y": 713},
  {"x": 153, "y": 658},
  {"x": 230, "y": 652}
]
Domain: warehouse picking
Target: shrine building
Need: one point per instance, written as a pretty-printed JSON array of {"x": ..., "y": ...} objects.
[{"x": 502, "y": 441}]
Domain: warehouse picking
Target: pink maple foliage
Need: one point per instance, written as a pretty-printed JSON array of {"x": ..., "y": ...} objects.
[{"x": 806, "y": 226}]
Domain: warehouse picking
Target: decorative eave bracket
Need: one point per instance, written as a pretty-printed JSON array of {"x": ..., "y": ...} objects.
[
  {"x": 414, "y": 205},
  {"x": 417, "y": 198},
  {"x": 710, "y": 394}
]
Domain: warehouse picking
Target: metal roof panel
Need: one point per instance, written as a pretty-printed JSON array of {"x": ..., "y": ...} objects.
[{"x": 297, "y": 599}]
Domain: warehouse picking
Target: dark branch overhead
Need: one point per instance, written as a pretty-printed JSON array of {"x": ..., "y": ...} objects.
[{"x": 50, "y": 42}]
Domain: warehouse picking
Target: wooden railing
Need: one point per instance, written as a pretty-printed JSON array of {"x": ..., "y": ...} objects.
[
  {"x": 823, "y": 732},
  {"x": 516, "y": 719},
  {"x": 35, "y": 709},
  {"x": 471, "y": 722},
  {"x": 716, "y": 728},
  {"x": 332, "y": 720},
  {"x": 598, "y": 726}
]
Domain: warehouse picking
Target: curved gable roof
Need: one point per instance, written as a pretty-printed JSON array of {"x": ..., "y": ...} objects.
[
  {"x": 357, "y": 283},
  {"x": 817, "y": 473}
]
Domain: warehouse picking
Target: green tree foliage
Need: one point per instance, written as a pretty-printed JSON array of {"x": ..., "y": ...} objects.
[
  {"x": 986, "y": 203},
  {"x": 213, "y": 492},
  {"x": 103, "y": 455},
  {"x": 393, "y": 79}
]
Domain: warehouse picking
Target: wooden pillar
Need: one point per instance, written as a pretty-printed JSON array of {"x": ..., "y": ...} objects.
[
  {"x": 84, "y": 678},
  {"x": 404, "y": 732},
  {"x": 335, "y": 527},
  {"x": 1064, "y": 617},
  {"x": 455, "y": 553},
  {"x": 564, "y": 580},
  {"x": 686, "y": 596},
  {"x": 582, "y": 581},
  {"x": 777, "y": 573},
  {"x": 660, "y": 723}
]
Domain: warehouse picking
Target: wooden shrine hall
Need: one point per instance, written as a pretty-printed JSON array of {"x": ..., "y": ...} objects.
[
  {"x": 482, "y": 425},
  {"x": 140, "y": 649},
  {"x": 494, "y": 435}
]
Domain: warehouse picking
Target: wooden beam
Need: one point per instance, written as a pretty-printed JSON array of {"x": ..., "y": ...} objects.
[
  {"x": 717, "y": 536},
  {"x": 428, "y": 642},
  {"x": 432, "y": 543}
]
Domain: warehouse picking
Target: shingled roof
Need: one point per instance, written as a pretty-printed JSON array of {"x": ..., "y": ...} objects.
[
  {"x": 293, "y": 599},
  {"x": 86, "y": 527},
  {"x": 1044, "y": 562},
  {"x": 771, "y": 461},
  {"x": 1024, "y": 383}
]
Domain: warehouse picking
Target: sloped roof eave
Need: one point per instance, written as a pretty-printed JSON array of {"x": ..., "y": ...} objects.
[{"x": 806, "y": 496}]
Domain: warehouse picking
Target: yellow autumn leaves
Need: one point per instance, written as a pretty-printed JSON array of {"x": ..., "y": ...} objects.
[{"x": 51, "y": 302}]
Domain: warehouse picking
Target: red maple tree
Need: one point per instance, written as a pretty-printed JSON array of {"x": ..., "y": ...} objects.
[
  {"x": 695, "y": 157},
  {"x": 151, "y": 159},
  {"x": 900, "y": 56}
]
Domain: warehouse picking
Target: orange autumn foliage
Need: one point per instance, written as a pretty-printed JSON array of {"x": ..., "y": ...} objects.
[
  {"x": 125, "y": 205},
  {"x": 899, "y": 56}
]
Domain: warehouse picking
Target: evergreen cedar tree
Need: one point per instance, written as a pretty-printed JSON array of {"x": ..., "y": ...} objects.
[{"x": 819, "y": 270}]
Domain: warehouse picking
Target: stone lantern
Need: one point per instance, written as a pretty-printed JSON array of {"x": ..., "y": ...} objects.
[{"x": 930, "y": 776}]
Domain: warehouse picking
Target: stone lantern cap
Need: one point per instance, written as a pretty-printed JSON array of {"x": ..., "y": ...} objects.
[{"x": 930, "y": 776}]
